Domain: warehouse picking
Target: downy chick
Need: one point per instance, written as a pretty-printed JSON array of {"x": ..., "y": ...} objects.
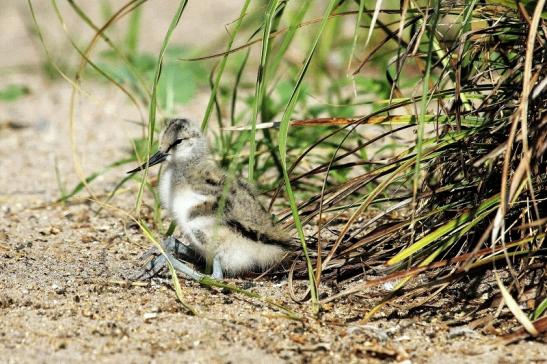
[{"x": 238, "y": 239}]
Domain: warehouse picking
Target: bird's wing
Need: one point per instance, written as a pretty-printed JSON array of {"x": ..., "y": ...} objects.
[
  {"x": 242, "y": 210},
  {"x": 245, "y": 213}
]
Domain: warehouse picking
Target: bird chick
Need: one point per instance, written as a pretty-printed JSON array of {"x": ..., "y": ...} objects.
[{"x": 240, "y": 238}]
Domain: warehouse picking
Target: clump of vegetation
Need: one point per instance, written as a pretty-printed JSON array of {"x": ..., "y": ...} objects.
[{"x": 398, "y": 139}]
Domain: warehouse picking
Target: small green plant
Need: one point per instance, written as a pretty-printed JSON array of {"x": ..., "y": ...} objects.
[{"x": 13, "y": 92}]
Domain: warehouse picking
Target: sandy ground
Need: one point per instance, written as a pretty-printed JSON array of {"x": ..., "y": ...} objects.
[{"x": 64, "y": 293}]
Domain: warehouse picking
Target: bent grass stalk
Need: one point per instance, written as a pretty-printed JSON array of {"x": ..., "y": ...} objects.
[
  {"x": 153, "y": 99},
  {"x": 283, "y": 134}
]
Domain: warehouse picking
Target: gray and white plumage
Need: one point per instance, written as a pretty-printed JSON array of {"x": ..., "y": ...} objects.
[{"x": 240, "y": 238}]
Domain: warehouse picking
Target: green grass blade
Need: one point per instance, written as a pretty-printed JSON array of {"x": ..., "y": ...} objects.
[
  {"x": 260, "y": 88},
  {"x": 373, "y": 20},
  {"x": 425, "y": 100},
  {"x": 283, "y": 136},
  {"x": 174, "y": 278},
  {"x": 443, "y": 230},
  {"x": 540, "y": 309},
  {"x": 222, "y": 65},
  {"x": 356, "y": 33},
  {"x": 133, "y": 28},
  {"x": 80, "y": 186},
  {"x": 153, "y": 99},
  {"x": 296, "y": 22}
]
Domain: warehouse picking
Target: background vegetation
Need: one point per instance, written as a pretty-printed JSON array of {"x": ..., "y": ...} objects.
[{"x": 401, "y": 141}]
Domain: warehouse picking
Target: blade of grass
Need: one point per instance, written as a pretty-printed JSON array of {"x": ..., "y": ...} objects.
[
  {"x": 423, "y": 106},
  {"x": 283, "y": 136},
  {"x": 132, "y": 35},
  {"x": 153, "y": 100},
  {"x": 222, "y": 65},
  {"x": 542, "y": 307},
  {"x": 515, "y": 309},
  {"x": 443, "y": 230},
  {"x": 86, "y": 60},
  {"x": 296, "y": 22},
  {"x": 174, "y": 278},
  {"x": 260, "y": 88},
  {"x": 60, "y": 182},
  {"x": 356, "y": 33},
  {"x": 90, "y": 178},
  {"x": 372, "y": 120},
  {"x": 377, "y": 8}
]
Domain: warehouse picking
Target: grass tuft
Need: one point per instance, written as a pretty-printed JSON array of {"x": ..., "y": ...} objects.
[{"x": 410, "y": 148}]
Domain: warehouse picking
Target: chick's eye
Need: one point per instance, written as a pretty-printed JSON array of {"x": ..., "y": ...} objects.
[{"x": 177, "y": 142}]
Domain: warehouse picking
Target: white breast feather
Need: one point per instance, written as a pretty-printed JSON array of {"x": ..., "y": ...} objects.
[
  {"x": 165, "y": 189},
  {"x": 183, "y": 202}
]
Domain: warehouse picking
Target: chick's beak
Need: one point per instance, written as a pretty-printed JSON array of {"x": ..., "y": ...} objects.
[{"x": 157, "y": 158}]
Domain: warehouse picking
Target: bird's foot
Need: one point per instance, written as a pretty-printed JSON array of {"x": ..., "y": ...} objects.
[
  {"x": 154, "y": 265},
  {"x": 156, "y": 262}
]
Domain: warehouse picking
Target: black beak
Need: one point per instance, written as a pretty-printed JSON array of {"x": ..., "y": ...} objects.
[{"x": 157, "y": 158}]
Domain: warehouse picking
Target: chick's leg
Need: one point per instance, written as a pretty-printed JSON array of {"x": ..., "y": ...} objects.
[
  {"x": 183, "y": 268},
  {"x": 173, "y": 249},
  {"x": 217, "y": 268}
]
